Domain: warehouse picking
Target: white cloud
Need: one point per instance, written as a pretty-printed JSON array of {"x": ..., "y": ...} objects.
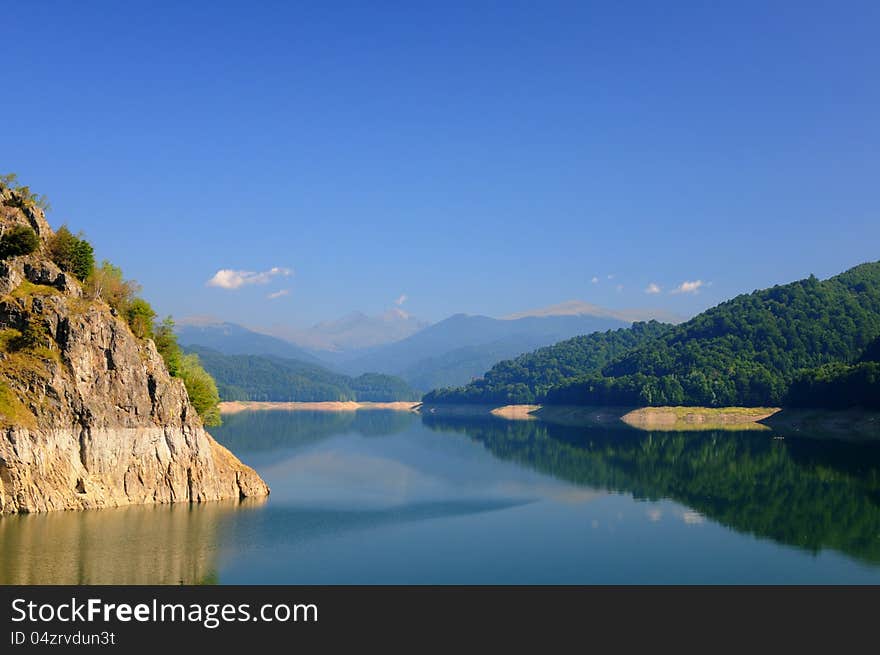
[
  {"x": 278, "y": 294},
  {"x": 403, "y": 298},
  {"x": 611, "y": 276},
  {"x": 653, "y": 288},
  {"x": 226, "y": 278},
  {"x": 688, "y": 287},
  {"x": 619, "y": 288},
  {"x": 595, "y": 280}
]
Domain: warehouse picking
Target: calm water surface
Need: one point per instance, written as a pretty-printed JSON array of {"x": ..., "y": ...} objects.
[{"x": 385, "y": 497}]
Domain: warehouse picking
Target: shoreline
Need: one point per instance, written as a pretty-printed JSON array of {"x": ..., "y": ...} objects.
[
  {"x": 236, "y": 406},
  {"x": 645, "y": 418},
  {"x": 847, "y": 424}
]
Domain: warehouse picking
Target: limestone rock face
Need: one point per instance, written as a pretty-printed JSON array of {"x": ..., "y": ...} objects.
[{"x": 90, "y": 416}]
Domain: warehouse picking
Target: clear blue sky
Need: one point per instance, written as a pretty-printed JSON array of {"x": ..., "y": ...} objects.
[{"x": 477, "y": 157}]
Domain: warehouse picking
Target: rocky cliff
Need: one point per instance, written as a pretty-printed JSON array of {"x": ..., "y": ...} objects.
[{"x": 89, "y": 415}]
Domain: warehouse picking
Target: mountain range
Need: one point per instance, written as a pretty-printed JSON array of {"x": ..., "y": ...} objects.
[
  {"x": 448, "y": 353},
  {"x": 354, "y": 331},
  {"x": 233, "y": 339},
  {"x": 457, "y": 349}
]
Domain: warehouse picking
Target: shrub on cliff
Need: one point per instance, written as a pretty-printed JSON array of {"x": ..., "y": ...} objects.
[
  {"x": 18, "y": 240},
  {"x": 201, "y": 388},
  {"x": 72, "y": 253},
  {"x": 106, "y": 283},
  {"x": 139, "y": 315},
  {"x": 166, "y": 344}
]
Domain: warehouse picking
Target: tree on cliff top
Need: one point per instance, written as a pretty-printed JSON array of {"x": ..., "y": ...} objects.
[
  {"x": 72, "y": 253},
  {"x": 26, "y": 197}
]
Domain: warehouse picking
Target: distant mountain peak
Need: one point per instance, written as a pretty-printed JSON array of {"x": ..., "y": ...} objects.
[
  {"x": 581, "y": 308},
  {"x": 201, "y": 320},
  {"x": 567, "y": 308},
  {"x": 234, "y": 339},
  {"x": 355, "y": 331},
  {"x": 395, "y": 314}
]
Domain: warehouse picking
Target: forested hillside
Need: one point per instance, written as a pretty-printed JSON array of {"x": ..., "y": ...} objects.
[
  {"x": 840, "y": 385},
  {"x": 746, "y": 351},
  {"x": 267, "y": 378},
  {"x": 527, "y": 378}
]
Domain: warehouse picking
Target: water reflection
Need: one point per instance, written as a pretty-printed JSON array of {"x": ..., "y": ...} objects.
[
  {"x": 804, "y": 492},
  {"x": 275, "y": 430},
  {"x": 151, "y": 544},
  {"x": 382, "y": 497}
]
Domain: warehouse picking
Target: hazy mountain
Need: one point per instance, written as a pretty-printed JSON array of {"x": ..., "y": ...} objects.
[
  {"x": 232, "y": 339},
  {"x": 450, "y": 368},
  {"x": 457, "y": 349},
  {"x": 354, "y": 331},
  {"x": 581, "y": 308},
  {"x": 449, "y": 353}
]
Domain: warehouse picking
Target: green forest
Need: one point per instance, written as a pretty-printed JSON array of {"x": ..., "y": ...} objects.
[
  {"x": 809, "y": 343},
  {"x": 839, "y": 385},
  {"x": 270, "y": 378}
]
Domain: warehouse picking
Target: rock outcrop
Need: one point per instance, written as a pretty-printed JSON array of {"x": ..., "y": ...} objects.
[{"x": 89, "y": 415}]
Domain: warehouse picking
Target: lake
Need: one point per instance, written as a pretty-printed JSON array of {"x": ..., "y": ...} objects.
[{"x": 374, "y": 497}]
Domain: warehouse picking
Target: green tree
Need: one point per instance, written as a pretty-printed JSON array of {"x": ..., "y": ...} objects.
[
  {"x": 83, "y": 259},
  {"x": 139, "y": 315},
  {"x": 18, "y": 240},
  {"x": 72, "y": 253},
  {"x": 107, "y": 283},
  {"x": 166, "y": 344},
  {"x": 201, "y": 388}
]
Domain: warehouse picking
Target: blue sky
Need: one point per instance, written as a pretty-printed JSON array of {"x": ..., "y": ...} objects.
[{"x": 476, "y": 157}]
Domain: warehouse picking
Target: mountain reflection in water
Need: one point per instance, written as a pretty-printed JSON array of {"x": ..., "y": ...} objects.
[{"x": 375, "y": 497}]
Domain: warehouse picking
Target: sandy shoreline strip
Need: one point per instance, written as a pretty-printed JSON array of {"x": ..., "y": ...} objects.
[
  {"x": 849, "y": 424},
  {"x": 646, "y": 418},
  {"x": 235, "y": 406}
]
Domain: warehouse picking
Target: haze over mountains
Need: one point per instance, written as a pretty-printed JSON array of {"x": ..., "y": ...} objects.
[
  {"x": 354, "y": 331},
  {"x": 457, "y": 348},
  {"x": 450, "y": 352},
  {"x": 581, "y": 308},
  {"x": 233, "y": 339}
]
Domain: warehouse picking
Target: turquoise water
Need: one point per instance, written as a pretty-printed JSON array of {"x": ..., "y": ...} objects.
[{"x": 385, "y": 497}]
